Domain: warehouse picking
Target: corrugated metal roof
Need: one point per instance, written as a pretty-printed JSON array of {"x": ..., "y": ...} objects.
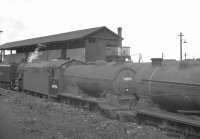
[{"x": 53, "y": 38}]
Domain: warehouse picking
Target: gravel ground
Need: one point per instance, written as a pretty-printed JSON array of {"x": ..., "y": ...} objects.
[{"x": 26, "y": 117}]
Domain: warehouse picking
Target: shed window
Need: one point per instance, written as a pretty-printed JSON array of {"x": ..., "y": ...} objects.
[
  {"x": 111, "y": 45},
  {"x": 91, "y": 40},
  {"x": 52, "y": 73}
]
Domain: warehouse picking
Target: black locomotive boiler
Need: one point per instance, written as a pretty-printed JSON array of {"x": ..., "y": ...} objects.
[{"x": 174, "y": 86}]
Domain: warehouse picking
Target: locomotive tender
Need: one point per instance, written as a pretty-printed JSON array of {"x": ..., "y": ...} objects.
[{"x": 8, "y": 74}]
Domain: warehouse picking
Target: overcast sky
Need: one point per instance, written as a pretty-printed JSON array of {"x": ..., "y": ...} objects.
[{"x": 149, "y": 27}]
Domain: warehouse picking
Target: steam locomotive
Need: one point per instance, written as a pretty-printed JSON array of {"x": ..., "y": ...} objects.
[
  {"x": 109, "y": 82},
  {"x": 174, "y": 86}
]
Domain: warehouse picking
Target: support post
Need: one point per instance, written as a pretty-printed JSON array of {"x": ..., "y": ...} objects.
[{"x": 181, "y": 43}]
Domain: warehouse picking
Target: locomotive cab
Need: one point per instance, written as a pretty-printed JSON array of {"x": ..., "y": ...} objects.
[{"x": 42, "y": 77}]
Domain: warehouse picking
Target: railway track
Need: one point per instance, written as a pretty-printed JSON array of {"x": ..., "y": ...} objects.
[{"x": 173, "y": 124}]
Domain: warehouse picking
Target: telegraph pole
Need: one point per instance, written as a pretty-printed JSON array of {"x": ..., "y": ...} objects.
[
  {"x": 185, "y": 56},
  {"x": 181, "y": 43},
  {"x": 1, "y": 31},
  {"x": 1, "y": 57},
  {"x": 162, "y": 55}
]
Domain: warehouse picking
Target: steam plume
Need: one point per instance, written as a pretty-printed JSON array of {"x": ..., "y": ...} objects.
[{"x": 36, "y": 53}]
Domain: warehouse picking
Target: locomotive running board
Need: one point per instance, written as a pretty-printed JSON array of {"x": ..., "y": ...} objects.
[
  {"x": 189, "y": 111},
  {"x": 170, "y": 116},
  {"x": 100, "y": 103},
  {"x": 171, "y": 82},
  {"x": 179, "y": 123},
  {"x": 112, "y": 112}
]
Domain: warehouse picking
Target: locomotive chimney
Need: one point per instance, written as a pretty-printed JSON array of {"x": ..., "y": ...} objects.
[{"x": 119, "y": 31}]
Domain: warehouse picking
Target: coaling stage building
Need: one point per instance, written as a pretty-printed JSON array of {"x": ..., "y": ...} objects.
[{"x": 91, "y": 44}]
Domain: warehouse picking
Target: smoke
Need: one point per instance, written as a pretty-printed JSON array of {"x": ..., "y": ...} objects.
[{"x": 34, "y": 55}]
